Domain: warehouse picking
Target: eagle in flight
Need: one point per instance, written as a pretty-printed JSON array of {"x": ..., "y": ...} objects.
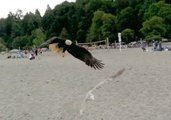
[{"x": 60, "y": 45}]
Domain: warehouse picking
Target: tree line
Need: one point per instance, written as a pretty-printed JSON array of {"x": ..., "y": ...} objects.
[{"x": 88, "y": 20}]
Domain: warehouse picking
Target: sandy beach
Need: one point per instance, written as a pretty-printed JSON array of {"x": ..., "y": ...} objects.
[{"x": 53, "y": 88}]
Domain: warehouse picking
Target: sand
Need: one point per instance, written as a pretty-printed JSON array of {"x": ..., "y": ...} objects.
[{"x": 53, "y": 88}]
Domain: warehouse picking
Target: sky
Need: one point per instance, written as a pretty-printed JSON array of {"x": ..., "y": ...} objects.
[{"x": 7, "y": 6}]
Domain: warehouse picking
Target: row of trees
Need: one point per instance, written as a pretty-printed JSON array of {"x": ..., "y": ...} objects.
[{"x": 88, "y": 20}]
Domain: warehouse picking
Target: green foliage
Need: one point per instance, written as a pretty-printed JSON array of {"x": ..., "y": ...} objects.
[
  {"x": 95, "y": 29},
  {"x": 19, "y": 42},
  {"x": 153, "y": 27},
  {"x": 108, "y": 27},
  {"x": 128, "y": 35},
  {"x": 2, "y": 45},
  {"x": 39, "y": 37},
  {"x": 151, "y": 37},
  {"x": 121, "y": 4},
  {"x": 103, "y": 26},
  {"x": 159, "y": 9},
  {"x": 64, "y": 33},
  {"x": 2, "y": 27},
  {"x": 125, "y": 18},
  {"x": 30, "y": 22},
  {"x": 162, "y": 10}
]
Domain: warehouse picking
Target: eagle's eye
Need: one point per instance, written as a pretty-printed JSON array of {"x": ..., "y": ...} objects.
[{"x": 68, "y": 42}]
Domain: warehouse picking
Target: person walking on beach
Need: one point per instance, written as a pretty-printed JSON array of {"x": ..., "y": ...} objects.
[{"x": 36, "y": 51}]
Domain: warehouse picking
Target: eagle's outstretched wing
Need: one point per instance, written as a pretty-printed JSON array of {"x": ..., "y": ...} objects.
[
  {"x": 61, "y": 45},
  {"x": 85, "y": 56},
  {"x": 53, "y": 40}
]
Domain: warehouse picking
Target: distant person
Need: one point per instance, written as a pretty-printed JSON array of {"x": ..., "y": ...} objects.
[
  {"x": 160, "y": 48},
  {"x": 143, "y": 46},
  {"x": 155, "y": 45},
  {"x": 144, "y": 49},
  {"x": 31, "y": 55},
  {"x": 36, "y": 51}
]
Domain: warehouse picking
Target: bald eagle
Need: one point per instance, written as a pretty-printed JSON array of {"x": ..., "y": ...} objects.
[{"x": 60, "y": 45}]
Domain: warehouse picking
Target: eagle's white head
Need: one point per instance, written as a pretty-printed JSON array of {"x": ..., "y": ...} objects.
[{"x": 68, "y": 42}]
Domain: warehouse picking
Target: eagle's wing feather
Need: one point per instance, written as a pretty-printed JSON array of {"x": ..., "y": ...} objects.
[
  {"x": 56, "y": 42},
  {"x": 85, "y": 56},
  {"x": 49, "y": 41},
  {"x": 79, "y": 52}
]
